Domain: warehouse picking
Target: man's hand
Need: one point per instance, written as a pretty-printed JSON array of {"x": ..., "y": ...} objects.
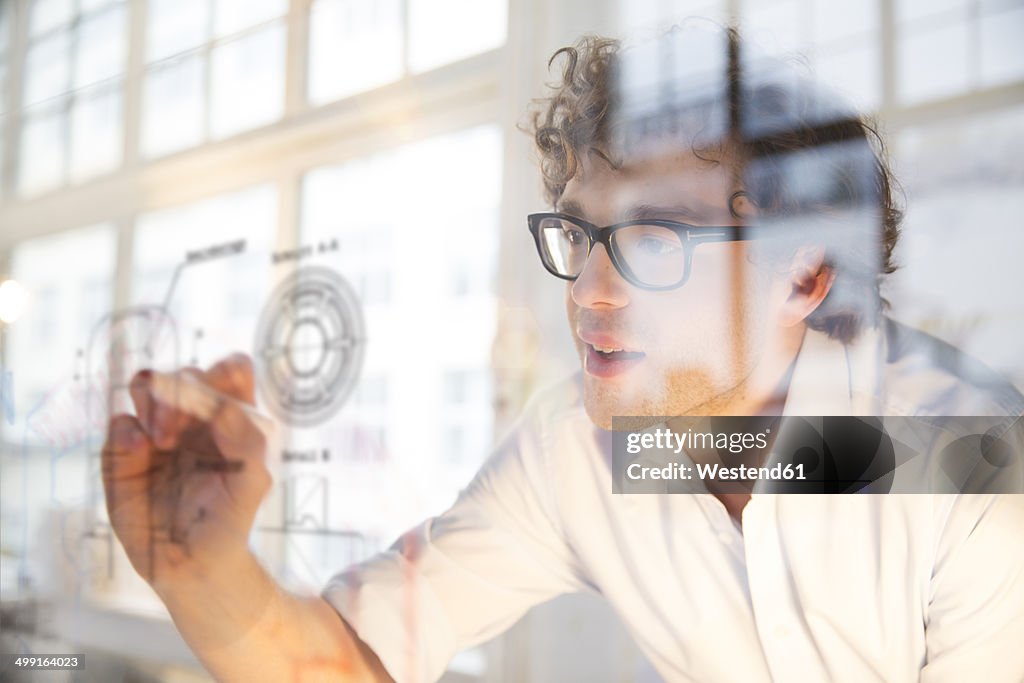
[{"x": 182, "y": 494}]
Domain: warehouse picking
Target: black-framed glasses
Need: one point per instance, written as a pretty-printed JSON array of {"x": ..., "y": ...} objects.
[{"x": 648, "y": 253}]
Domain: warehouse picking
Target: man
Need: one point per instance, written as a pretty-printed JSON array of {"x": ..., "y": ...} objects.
[{"x": 722, "y": 242}]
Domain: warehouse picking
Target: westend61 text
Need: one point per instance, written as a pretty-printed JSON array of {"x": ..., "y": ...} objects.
[{"x": 708, "y": 472}]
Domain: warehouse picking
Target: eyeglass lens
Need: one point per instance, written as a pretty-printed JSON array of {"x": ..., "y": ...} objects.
[{"x": 652, "y": 254}]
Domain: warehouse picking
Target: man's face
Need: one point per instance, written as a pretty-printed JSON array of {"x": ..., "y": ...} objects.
[{"x": 683, "y": 350}]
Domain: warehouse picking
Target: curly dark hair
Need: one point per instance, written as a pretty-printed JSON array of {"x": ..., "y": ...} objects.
[{"x": 780, "y": 132}]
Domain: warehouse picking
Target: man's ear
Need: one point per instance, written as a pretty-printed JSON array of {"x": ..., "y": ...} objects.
[{"x": 809, "y": 282}]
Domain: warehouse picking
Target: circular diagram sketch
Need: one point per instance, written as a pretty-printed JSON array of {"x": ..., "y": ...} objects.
[{"x": 309, "y": 346}]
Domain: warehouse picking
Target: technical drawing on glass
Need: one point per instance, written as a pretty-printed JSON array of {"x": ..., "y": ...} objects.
[{"x": 309, "y": 346}]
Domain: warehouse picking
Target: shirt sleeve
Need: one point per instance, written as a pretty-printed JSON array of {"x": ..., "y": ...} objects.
[
  {"x": 461, "y": 578},
  {"x": 975, "y": 624}
]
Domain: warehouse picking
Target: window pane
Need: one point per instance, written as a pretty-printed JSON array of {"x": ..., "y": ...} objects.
[
  {"x": 92, "y": 5},
  {"x": 836, "y": 20},
  {"x": 101, "y": 47},
  {"x": 908, "y": 10},
  {"x": 412, "y": 244},
  {"x": 172, "y": 107},
  {"x": 854, "y": 74},
  {"x": 354, "y": 45},
  {"x": 5, "y": 28},
  {"x": 248, "y": 82},
  {"x": 41, "y": 153},
  {"x": 435, "y": 39},
  {"x": 69, "y": 279},
  {"x": 220, "y": 297},
  {"x": 95, "y": 134},
  {"x": 932, "y": 63},
  {"x": 46, "y": 70},
  {"x": 49, "y": 14},
  {"x": 175, "y": 26},
  {"x": 775, "y": 26},
  {"x": 231, "y": 16},
  {"x": 1001, "y": 57}
]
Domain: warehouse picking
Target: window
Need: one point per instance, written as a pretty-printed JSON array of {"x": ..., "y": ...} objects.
[
  {"x": 214, "y": 304},
  {"x": 214, "y": 68},
  {"x": 401, "y": 214},
  {"x": 840, "y": 40},
  {"x": 73, "y": 95},
  {"x": 356, "y": 45},
  {"x": 951, "y": 47}
]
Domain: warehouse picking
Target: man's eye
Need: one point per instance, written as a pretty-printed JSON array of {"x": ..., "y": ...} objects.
[
  {"x": 576, "y": 236},
  {"x": 656, "y": 246}
]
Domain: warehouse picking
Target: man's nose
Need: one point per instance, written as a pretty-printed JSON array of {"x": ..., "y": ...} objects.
[{"x": 600, "y": 285}]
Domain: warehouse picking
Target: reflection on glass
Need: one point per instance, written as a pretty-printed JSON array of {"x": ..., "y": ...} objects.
[
  {"x": 856, "y": 74},
  {"x": 231, "y": 16},
  {"x": 932, "y": 63},
  {"x": 219, "y": 297},
  {"x": 47, "y": 68},
  {"x": 415, "y": 244},
  {"x": 61, "y": 311},
  {"x": 41, "y": 164},
  {"x": 100, "y": 52},
  {"x": 1001, "y": 59},
  {"x": 95, "y": 134},
  {"x": 174, "y": 26},
  {"x": 833, "y": 21},
  {"x": 172, "y": 107},
  {"x": 47, "y": 15},
  {"x": 248, "y": 82},
  {"x": 436, "y": 39},
  {"x": 354, "y": 45},
  {"x": 965, "y": 178}
]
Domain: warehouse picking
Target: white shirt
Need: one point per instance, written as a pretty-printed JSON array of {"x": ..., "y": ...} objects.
[{"x": 813, "y": 588}]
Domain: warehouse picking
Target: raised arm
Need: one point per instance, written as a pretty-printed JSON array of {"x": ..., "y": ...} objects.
[{"x": 182, "y": 494}]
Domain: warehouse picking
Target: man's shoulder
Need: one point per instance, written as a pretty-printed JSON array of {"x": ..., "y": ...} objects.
[{"x": 927, "y": 376}]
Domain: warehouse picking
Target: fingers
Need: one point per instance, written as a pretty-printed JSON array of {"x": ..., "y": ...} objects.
[
  {"x": 126, "y": 451},
  {"x": 234, "y": 376},
  {"x": 160, "y": 399}
]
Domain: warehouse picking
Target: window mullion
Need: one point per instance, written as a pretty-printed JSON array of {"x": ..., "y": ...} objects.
[{"x": 133, "y": 83}]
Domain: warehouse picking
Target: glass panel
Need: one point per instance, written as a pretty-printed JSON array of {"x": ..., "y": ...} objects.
[
  {"x": 833, "y": 21},
  {"x": 231, "y": 16},
  {"x": 220, "y": 298},
  {"x": 5, "y": 29},
  {"x": 414, "y": 242},
  {"x": 47, "y": 68},
  {"x": 854, "y": 74},
  {"x": 966, "y": 181},
  {"x": 100, "y": 52},
  {"x": 1001, "y": 60},
  {"x": 49, "y": 14},
  {"x": 41, "y": 153},
  {"x": 248, "y": 82},
  {"x": 69, "y": 282},
  {"x": 343, "y": 34},
  {"x": 68, "y": 278},
  {"x": 92, "y": 5},
  {"x": 175, "y": 26},
  {"x": 932, "y": 63},
  {"x": 774, "y": 27},
  {"x": 96, "y": 134},
  {"x": 909, "y": 10},
  {"x": 435, "y": 39},
  {"x": 172, "y": 107}
]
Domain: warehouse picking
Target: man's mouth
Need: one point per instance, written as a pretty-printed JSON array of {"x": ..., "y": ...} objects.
[{"x": 609, "y": 361}]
